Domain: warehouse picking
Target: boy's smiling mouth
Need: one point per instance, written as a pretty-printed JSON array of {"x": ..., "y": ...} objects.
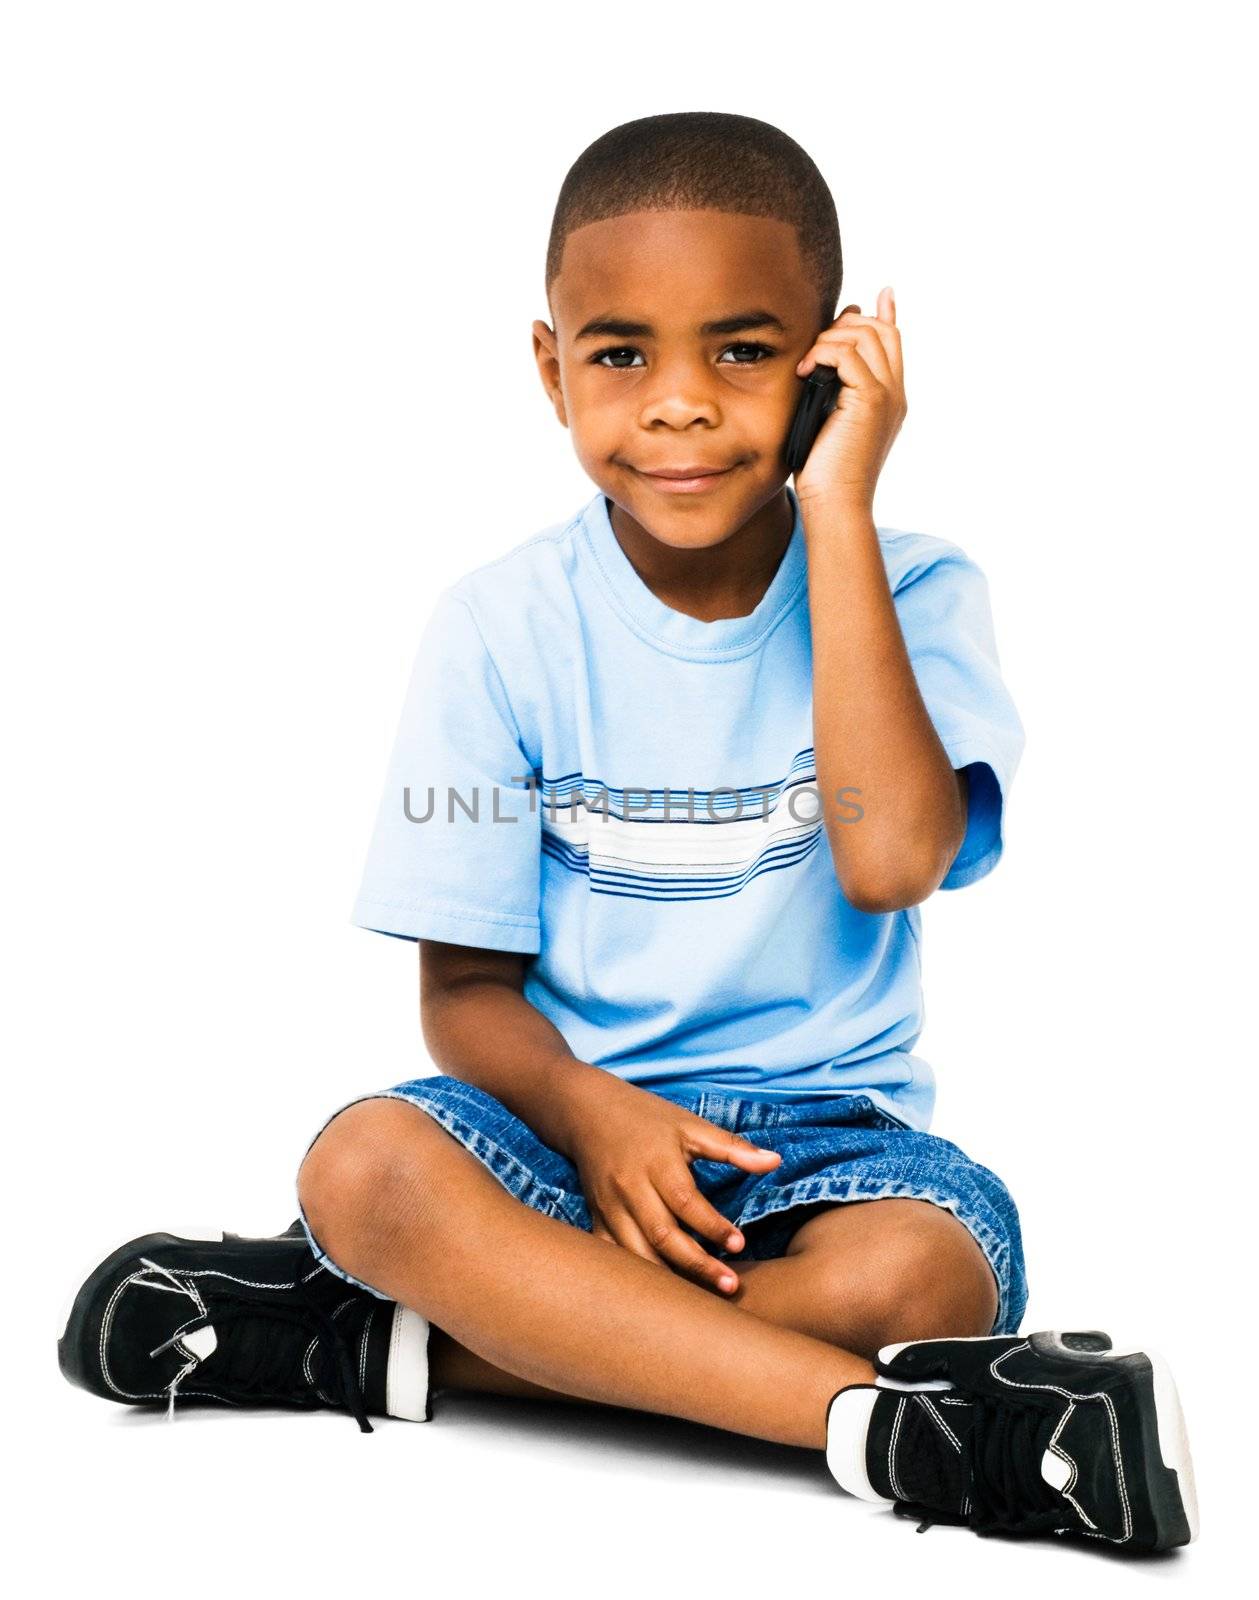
[{"x": 691, "y": 479}]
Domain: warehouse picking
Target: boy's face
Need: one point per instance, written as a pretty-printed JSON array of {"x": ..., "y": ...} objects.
[{"x": 670, "y": 393}]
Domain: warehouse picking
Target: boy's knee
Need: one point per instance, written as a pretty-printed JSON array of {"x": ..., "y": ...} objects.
[
  {"x": 933, "y": 1281},
  {"x": 350, "y": 1181}
]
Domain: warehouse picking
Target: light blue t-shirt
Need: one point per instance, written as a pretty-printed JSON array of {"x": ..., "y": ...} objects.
[{"x": 627, "y": 795}]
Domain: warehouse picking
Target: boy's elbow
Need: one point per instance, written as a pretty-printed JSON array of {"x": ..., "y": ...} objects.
[
  {"x": 880, "y": 899},
  {"x": 895, "y": 884},
  {"x": 886, "y": 892},
  {"x": 898, "y": 878}
]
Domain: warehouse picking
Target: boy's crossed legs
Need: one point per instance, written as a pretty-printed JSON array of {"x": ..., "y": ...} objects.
[
  {"x": 549, "y": 1311},
  {"x": 868, "y": 1335}
]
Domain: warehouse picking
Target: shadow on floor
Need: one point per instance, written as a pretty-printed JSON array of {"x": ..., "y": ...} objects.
[{"x": 671, "y": 1440}]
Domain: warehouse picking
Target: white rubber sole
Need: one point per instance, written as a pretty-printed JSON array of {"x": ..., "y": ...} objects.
[
  {"x": 1173, "y": 1436},
  {"x": 847, "y": 1426},
  {"x": 406, "y": 1376}
]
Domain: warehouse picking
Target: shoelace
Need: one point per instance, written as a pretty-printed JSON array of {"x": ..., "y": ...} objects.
[
  {"x": 1001, "y": 1458},
  {"x": 270, "y": 1371}
]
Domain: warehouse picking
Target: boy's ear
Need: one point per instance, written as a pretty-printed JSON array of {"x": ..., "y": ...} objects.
[{"x": 546, "y": 353}]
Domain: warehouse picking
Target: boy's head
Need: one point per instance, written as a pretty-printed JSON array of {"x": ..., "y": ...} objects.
[{"x": 665, "y": 226}]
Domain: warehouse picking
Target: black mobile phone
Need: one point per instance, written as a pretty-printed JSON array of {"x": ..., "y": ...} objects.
[{"x": 819, "y": 392}]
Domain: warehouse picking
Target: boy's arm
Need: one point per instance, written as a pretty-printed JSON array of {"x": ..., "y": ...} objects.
[
  {"x": 871, "y": 729},
  {"x": 478, "y": 1027}
]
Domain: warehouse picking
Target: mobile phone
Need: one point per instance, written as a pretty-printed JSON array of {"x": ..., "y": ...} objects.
[{"x": 818, "y": 394}]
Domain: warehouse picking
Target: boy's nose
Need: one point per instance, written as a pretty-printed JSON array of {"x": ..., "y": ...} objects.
[{"x": 679, "y": 405}]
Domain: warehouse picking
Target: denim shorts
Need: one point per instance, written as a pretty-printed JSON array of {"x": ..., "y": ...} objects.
[{"x": 833, "y": 1150}]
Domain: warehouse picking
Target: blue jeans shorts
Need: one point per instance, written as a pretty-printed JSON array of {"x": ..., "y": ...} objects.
[{"x": 833, "y": 1150}]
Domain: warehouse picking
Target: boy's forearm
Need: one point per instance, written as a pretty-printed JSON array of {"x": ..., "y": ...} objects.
[
  {"x": 484, "y": 1032},
  {"x": 871, "y": 729}
]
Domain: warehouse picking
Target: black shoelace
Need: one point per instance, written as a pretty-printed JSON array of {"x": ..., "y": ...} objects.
[
  {"x": 265, "y": 1364},
  {"x": 1001, "y": 1458}
]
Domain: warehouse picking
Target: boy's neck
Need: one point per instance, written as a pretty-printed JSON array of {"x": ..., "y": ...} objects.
[{"x": 715, "y": 581}]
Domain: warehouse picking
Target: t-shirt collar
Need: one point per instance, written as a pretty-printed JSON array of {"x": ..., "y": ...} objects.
[{"x": 675, "y": 631}]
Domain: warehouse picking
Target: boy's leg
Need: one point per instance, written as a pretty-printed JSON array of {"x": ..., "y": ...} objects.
[
  {"x": 400, "y": 1204},
  {"x": 858, "y": 1274},
  {"x": 869, "y": 1273}
]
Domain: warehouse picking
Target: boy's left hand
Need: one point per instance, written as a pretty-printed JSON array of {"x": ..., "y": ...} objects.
[{"x": 853, "y": 443}]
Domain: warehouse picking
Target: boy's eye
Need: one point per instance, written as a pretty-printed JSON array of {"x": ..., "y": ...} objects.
[
  {"x": 616, "y": 350},
  {"x": 759, "y": 352}
]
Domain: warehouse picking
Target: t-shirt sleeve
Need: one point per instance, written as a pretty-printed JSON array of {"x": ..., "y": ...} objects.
[
  {"x": 455, "y": 853},
  {"x": 946, "y": 620}
]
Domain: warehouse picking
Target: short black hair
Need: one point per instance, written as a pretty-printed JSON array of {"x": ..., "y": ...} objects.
[{"x": 704, "y": 160}]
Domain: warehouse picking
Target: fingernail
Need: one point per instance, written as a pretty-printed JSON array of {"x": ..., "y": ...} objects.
[
  {"x": 733, "y": 1240},
  {"x": 726, "y": 1282}
]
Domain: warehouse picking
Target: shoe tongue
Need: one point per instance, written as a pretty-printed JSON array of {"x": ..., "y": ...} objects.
[
  {"x": 351, "y": 1318},
  {"x": 245, "y": 1350},
  {"x": 925, "y": 1438}
]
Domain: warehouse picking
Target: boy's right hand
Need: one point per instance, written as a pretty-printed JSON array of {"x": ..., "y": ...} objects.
[{"x": 633, "y": 1150}]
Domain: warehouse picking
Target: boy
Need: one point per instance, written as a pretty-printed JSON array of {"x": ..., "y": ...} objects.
[{"x": 673, "y": 997}]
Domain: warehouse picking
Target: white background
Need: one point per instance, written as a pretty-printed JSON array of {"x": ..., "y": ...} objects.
[{"x": 268, "y": 387}]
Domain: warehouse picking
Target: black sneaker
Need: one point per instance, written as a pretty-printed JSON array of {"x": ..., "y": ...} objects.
[
  {"x": 243, "y": 1322},
  {"x": 1049, "y": 1433}
]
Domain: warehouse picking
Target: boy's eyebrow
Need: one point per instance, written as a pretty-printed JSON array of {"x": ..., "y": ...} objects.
[{"x": 617, "y": 328}]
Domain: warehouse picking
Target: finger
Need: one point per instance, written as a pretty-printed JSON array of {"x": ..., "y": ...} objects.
[
  {"x": 844, "y": 356},
  {"x": 888, "y": 334},
  {"x": 626, "y": 1231},
  {"x": 676, "y": 1187},
  {"x": 885, "y": 310},
  {"x": 885, "y": 330},
  {"x": 598, "y": 1225},
  {"x": 718, "y": 1144},
  {"x": 660, "y": 1227},
  {"x": 862, "y": 334}
]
